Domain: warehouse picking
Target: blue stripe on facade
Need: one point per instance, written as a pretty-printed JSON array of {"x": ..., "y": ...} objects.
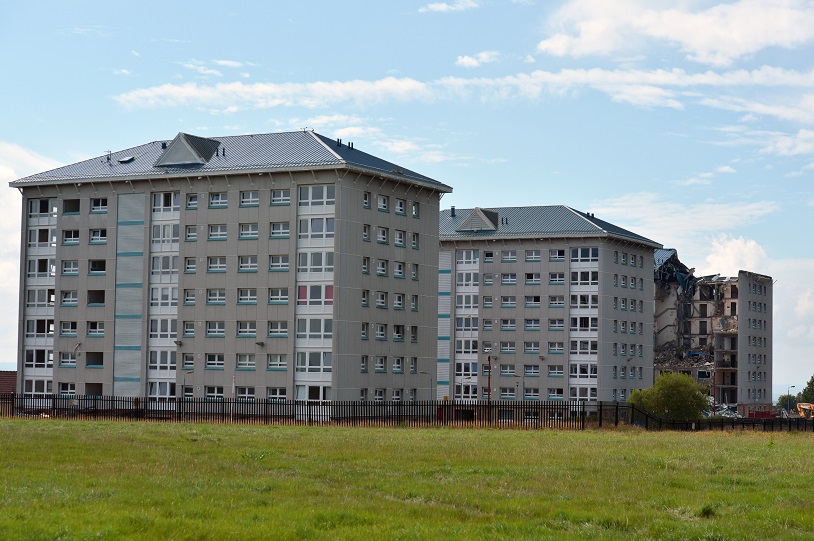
[
  {"x": 443, "y": 316},
  {"x": 135, "y": 285},
  {"x": 444, "y": 293},
  {"x": 130, "y": 222},
  {"x": 126, "y": 378},
  {"x": 444, "y": 271},
  {"x": 127, "y": 316},
  {"x": 443, "y": 337},
  {"x": 129, "y": 254},
  {"x": 443, "y": 360},
  {"x": 128, "y": 348},
  {"x": 441, "y": 382}
]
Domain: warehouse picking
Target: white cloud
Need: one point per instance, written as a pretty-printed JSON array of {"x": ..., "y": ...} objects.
[
  {"x": 199, "y": 67},
  {"x": 483, "y": 57},
  {"x": 727, "y": 255},
  {"x": 228, "y": 63},
  {"x": 791, "y": 145},
  {"x": 725, "y": 169},
  {"x": 121, "y": 72},
  {"x": 688, "y": 227},
  {"x": 715, "y": 35},
  {"x": 445, "y": 7},
  {"x": 135, "y": 53}
]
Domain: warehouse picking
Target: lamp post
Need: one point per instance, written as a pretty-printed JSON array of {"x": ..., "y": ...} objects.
[
  {"x": 788, "y": 400},
  {"x": 184, "y": 392}
]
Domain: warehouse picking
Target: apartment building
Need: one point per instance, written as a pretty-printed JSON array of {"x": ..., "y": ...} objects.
[
  {"x": 542, "y": 303},
  {"x": 266, "y": 266},
  {"x": 716, "y": 329}
]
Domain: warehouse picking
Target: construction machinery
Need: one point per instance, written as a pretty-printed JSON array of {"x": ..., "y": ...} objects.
[{"x": 805, "y": 410}]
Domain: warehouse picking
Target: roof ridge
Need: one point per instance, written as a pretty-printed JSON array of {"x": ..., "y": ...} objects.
[
  {"x": 324, "y": 144},
  {"x": 584, "y": 216}
]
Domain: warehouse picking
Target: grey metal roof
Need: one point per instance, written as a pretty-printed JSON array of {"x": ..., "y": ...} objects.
[
  {"x": 661, "y": 255},
  {"x": 530, "y": 222},
  {"x": 256, "y": 152}
]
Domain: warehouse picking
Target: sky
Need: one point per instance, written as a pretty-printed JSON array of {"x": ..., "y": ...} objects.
[{"x": 689, "y": 122}]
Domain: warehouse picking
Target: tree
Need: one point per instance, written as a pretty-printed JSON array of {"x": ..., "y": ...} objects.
[
  {"x": 808, "y": 392},
  {"x": 674, "y": 397},
  {"x": 787, "y": 402}
]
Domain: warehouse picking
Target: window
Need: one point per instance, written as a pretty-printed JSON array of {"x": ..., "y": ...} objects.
[
  {"x": 414, "y": 209},
  {"x": 532, "y": 301},
  {"x": 531, "y": 347},
  {"x": 555, "y": 301},
  {"x": 316, "y": 228},
  {"x": 168, "y": 233},
  {"x": 279, "y": 197},
  {"x": 166, "y": 202},
  {"x": 414, "y": 237},
  {"x": 467, "y": 301},
  {"x": 414, "y": 271},
  {"x": 216, "y": 264},
  {"x": 532, "y": 278},
  {"x": 67, "y": 328},
  {"x": 68, "y": 298},
  {"x": 41, "y": 358},
  {"x": 97, "y": 266},
  {"x": 279, "y": 230},
  {"x": 215, "y": 328},
  {"x": 382, "y": 235},
  {"x": 163, "y": 328},
  {"x": 366, "y": 200},
  {"x": 41, "y": 238},
  {"x": 398, "y": 365},
  {"x": 276, "y": 361},
  {"x": 192, "y": 201},
  {"x": 507, "y": 393},
  {"x": 190, "y": 265},
  {"x": 275, "y": 394},
  {"x": 40, "y": 208},
  {"x": 215, "y": 296},
  {"x": 381, "y": 267},
  {"x": 244, "y": 394},
  {"x": 508, "y": 256},
  {"x": 43, "y": 298},
  {"x": 532, "y": 255},
  {"x": 381, "y": 299},
  {"x": 247, "y": 263},
  {"x": 43, "y": 268},
  {"x": 507, "y": 347},
  {"x": 383, "y": 203},
  {"x": 508, "y": 325},
  {"x": 247, "y": 328},
  {"x": 218, "y": 200},
  {"x": 398, "y": 269},
  {"x": 34, "y": 388},
  {"x": 466, "y": 256},
  {"x": 488, "y": 256},
  {"x": 556, "y": 347},
  {"x": 67, "y": 389},
  {"x": 467, "y": 279},
  {"x": 414, "y": 303},
  {"x": 164, "y": 265},
  {"x": 556, "y": 278},
  {"x": 487, "y": 301},
  {"x": 43, "y": 328},
  {"x": 398, "y": 333},
  {"x": 278, "y": 295},
  {"x": 161, "y": 360},
  {"x": 400, "y": 238},
  {"x": 555, "y": 371},
  {"x": 278, "y": 262},
  {"x": 98, "y": 205},
  {"x": 381, "y": 331},
  {"x": 365, "y": 330},
  {"x": 466, "y": 323},
  {"x": 508, "y": 278},
  {"x": 315, "y": 295},
  {"x": 317, "y": 195},
  {"x": 99, "y": 236},
  {"x": 585, "y": 278},
  {"x": 401, "y": 207},
  {"x": 366, "y": 232},
  {"x": 159, "y": 296},
  {"x": 247, "y": 296},
  {"x": 189, "y": 328},
  {"x": 314, "y": 361},
  {"x": 191, "y": 234},
  {"x": 508, "y": 301},
  {"x": 319, "y": 328},
  {"x": 556, "y": 394},
  {"x": 466, "y": 346},
  {"x": 70, "y": 236},
  {"x": 213, "y": 392},
  {"x": 247, "y": 231},
  {"x": 249, "y": 198},
  {"x": 532, "y": 325},
  {"x": 315, "y": 262},
  {"x": 584, "y": 254},
  {"x": 278, "y": 329},
  {"x": 189, "y": 296}
]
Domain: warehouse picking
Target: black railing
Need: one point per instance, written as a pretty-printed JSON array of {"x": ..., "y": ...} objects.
[{"x": 455, "y": 413}]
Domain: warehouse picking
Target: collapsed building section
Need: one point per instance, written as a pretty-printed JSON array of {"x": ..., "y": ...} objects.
[{"x": 700, "y": 332}]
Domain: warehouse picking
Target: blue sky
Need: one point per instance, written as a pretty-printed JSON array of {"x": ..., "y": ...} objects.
[{"x": 689, "y": 122}]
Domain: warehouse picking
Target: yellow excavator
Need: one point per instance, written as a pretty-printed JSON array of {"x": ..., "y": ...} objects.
[{"x": 805, "y": 410}]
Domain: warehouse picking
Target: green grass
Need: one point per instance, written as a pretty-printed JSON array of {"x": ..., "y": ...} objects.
[{"x": 113, "y": 481}]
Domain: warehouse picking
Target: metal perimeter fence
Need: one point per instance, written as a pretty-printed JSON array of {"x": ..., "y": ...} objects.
[{"x": 562, "y": 415}]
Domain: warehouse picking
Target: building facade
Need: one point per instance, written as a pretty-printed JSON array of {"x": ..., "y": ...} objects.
[
  {"x": 542, "y": 303},
  {"x": 718, "y": 330},
  {"x": 267, "y": 266}
]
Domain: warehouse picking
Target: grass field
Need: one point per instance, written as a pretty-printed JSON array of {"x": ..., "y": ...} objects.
[{"x": 114, "y": 481}]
